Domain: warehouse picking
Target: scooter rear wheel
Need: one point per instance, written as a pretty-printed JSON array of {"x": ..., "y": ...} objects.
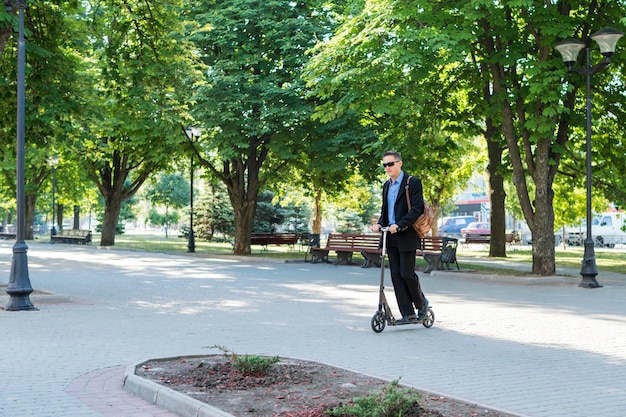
[
  {"x": 378, "y": 322},
  {"x": 430, "y": 319}
]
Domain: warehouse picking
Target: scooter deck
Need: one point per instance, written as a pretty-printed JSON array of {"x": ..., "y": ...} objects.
[{"x": 404, "y": 323}]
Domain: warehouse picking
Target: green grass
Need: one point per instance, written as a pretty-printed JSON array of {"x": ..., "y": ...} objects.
[
  {"x": 610, "y": 260},
  {"x": 175, "y": 244}
]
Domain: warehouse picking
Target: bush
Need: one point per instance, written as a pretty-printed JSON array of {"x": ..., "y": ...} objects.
[
  {"x": 391, "y": 401},
  {"x": 249, "y": 364}
]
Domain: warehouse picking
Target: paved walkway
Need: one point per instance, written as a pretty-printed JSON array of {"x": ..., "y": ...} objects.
[{"x": 534, "y": 350}]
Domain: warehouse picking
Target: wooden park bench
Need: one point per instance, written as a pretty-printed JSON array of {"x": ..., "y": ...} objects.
[
  {"x": 473, "y": 238},
  {"x": 438, "y": 251},
  {"x": 345, "y": 245},
  {"x": 265, "y": 239},
  {"x": 75, "y": 236},
  {"x": 7, "y": 233},
  {"x": 511, "y": 239}
]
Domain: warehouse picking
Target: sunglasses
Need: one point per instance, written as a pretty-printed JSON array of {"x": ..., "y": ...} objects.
[{"x": 389, "y": 164}]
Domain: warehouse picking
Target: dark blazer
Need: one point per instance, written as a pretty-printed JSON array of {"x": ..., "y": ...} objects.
[{"x": 407, "y": 238}]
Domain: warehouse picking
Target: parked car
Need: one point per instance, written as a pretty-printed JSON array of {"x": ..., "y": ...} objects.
[
  {"x": 477, "y": 229},
  {"x": 609, "y": 230},
  {"x": 453, "y": 225}
]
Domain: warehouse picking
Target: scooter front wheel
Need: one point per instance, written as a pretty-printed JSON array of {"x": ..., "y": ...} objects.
[
  {"x": 378, "y": 322},
  {"x": 430, "y": 319}
]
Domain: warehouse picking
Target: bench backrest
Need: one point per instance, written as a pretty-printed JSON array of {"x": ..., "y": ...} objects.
[
  {"x": 512, "y": 238},
  {"x": 434, "y": 243},
  {"x": 352, "y": 240},
  {"x": 74, "y": 232},
  {"x": 278, "y": 238}
]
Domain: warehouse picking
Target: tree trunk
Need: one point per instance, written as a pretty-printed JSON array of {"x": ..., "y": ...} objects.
[
  {"x": 109, "y": 221},
  {"x": 244, "y": 217},
  {"x": 244, "y": 207},
  {"x": 539, "y": 213},
  {"x": 29, "y": 216},
  {"x": 316, "y": 227},
  {"x": 243, "y": 189},
  {"x": 60, "y": 216},
  {"x": 110, "y": 178},
  {"x": 76, "y": 217},
  {"x": 537, "y": 157},
  {"x": 542, "y": 226},
  {"x": 241, "y": 177},
  {"x": 5, "y": 34},
  {"x": 167, "y": 222},
  {"x": 497, "y": 195}
]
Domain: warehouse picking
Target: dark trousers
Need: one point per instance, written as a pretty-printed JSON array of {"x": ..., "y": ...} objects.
[{"x": 406, "y": 283}]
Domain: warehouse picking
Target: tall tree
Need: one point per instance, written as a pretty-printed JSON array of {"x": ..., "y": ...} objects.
[
  {"x": 171, "y": 191},
  {"x": 375, "y": 66},
  {"x": 139, "y": 67},
  {"x": 253, "y": 102},
  {"x": 515, "y": 43}
]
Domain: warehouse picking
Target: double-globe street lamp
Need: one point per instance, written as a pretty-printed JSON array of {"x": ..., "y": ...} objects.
[
  {"x": 192, "y": 132},
  {"x": 569, "y": 49},
  {"x": 19, "y": 287}
]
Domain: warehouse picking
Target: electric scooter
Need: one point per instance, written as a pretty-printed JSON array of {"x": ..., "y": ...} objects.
[{"x": 384, "y": 316}]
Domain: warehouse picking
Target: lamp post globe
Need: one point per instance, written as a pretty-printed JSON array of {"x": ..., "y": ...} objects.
[{"x": 569, "y": 49}]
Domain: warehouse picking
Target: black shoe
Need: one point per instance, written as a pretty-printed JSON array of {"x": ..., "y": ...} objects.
[
  {"x": 407, "y": 320},
  {"x": 421, "y": 314}
]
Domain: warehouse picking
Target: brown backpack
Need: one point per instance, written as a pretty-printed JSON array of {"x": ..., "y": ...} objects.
[{"x": 424, "y": 222}]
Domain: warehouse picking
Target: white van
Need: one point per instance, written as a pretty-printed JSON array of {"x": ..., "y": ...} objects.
[{"x": 609, "y": 229}]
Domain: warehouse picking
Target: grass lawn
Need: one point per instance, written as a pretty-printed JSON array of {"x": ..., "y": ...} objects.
[{"x": 611, "y": 260}]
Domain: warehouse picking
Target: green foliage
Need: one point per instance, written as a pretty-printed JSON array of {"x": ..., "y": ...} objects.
[
  {"x": 253, "y": 102},
  {"x": 296, "y": 218},
  {"x": 248, "y": 364},
  {"x": 252, "y": 364},
  {"x": 136, "y": 102},
  {"x": 52, "y": 100},
  {"x": 170, "y": 190},
  {"x": 268, "y": 215},
  {"x": 456, "y": 70},
  {"x": 119, "y": 229},
  {"x": 349, "y": 221},
  {"x": 163, "y": 219},
  {"x": 391, "y": 401},
  {"x": 214, "y": 214}
]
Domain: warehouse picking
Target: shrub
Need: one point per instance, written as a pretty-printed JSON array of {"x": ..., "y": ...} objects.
[
  {"x": 249, "y": 364},
  {"x": 391, "y": 401}
]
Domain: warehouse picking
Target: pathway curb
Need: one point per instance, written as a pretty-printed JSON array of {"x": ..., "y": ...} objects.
[{"x": 168, "y": 398}]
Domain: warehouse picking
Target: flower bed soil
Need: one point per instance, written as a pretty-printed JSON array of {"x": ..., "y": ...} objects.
[{"x": 291, "y": 388}]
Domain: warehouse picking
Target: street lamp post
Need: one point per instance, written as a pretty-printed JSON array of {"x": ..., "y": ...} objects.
[
  {"x": 53, "y": 162},
  {"x": 192, "y": 133},
  {"x": 569, "y": 49},
  {"x": 19, "y": 287}
]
